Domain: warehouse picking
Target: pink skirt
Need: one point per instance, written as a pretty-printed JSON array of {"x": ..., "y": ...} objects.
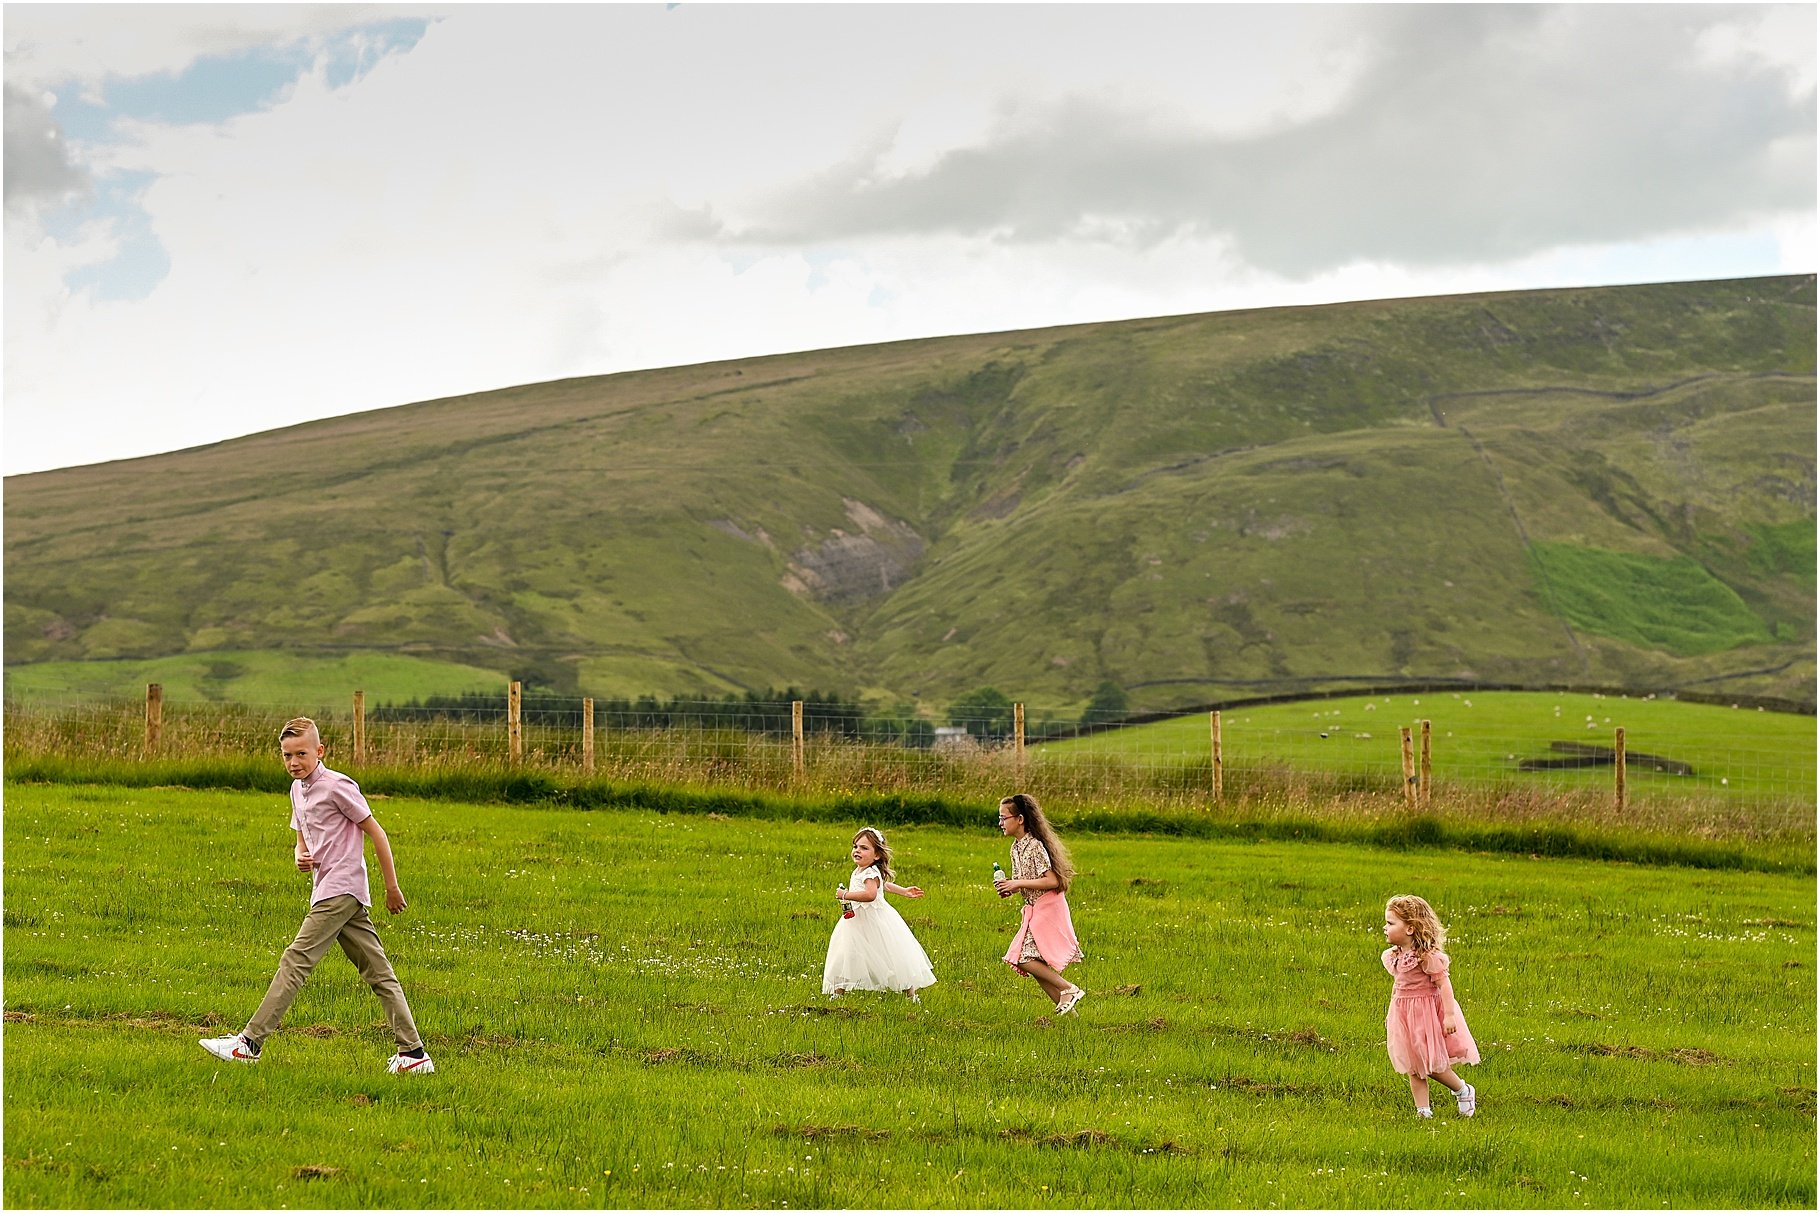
[
  {"x": 1418, "y": 1043},
  {"x": 1046, "y": 922}
]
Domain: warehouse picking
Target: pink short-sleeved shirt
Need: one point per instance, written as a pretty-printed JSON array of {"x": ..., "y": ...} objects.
[{"x": 328, "y": 809}]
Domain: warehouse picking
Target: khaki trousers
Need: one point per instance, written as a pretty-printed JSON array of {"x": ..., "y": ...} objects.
[{"x": 336, "y": 919}]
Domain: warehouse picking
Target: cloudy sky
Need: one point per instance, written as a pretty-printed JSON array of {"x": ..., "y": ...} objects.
[{"x": 221, "y": 219}]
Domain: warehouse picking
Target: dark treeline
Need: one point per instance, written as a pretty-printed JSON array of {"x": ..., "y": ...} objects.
[
  {"x": 986, "y": 715},
  {"x": 757, "y": 712}
]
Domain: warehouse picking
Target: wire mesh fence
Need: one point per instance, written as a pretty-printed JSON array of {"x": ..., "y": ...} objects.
[{"x": 1704, "y": 769}]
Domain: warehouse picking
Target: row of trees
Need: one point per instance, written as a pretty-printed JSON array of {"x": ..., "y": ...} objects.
[
  {"x": 986, "y": 714},
  {"x": 989, "y": 713},
  {"x": 760, "y": 712}
]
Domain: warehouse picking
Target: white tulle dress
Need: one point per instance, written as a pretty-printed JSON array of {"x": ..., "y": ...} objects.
[{"x": 874, "y": 949}]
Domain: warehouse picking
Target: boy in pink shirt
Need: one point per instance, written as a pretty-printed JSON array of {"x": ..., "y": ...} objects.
[{"x": 333, "y": 822}]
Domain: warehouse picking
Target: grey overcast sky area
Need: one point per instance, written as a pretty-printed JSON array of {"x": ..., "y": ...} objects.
[{"x": 222, "y": 219}]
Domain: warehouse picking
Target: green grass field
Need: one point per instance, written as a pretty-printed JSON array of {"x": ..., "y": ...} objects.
[
  {"x": 254, "y": 677},
  {"x": 625, "y": 1012},
  {"x": 1477, "y": 738}
]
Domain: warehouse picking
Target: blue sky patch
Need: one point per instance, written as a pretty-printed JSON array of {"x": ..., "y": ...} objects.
[
  {"x": 820, "y": 260},
  {"x": 216, "y": 88},
  {"x": 1736, "y": 254},
  {"x": 212, "y": 90},
  {"x": 80, "y": 120},
  {"x": 111, "y": 195},
  {"x": 141, "y": 262},
  {"x": 135, "y": 271},
  {"x": 358, "y": 51}
]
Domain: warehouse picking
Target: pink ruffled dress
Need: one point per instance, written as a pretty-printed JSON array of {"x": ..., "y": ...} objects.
[
  {"x": 1046, "y": 932},
  {"x": 1414, "y": 1033}
]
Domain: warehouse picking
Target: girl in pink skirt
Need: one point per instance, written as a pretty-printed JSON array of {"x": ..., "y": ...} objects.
[
  {"x": 1424, "y": 1030},
  {"x": 1041, "y": 870}
]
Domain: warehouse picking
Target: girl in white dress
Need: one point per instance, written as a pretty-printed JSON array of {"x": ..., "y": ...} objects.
[{"x": 872, "y": 947}]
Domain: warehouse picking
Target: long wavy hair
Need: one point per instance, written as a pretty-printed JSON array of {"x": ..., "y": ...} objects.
[
  {"x": 1026, "y": 807},
  {"x": 884, "y": 852},
  {"x": 1424, "y": 925}
]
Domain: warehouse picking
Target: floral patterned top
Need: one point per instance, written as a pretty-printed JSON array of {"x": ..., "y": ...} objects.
[{"x": 1029, "y": 861}]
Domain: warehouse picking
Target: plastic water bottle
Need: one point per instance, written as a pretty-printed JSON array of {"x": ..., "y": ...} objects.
[
  {"x": 846, "y": 907},
  {"x": 998, "y": 874}
]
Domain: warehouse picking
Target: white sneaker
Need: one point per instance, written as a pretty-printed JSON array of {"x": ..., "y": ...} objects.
[
  {"x": 230, "y": 1048},
  {"x": 1426, "y": 1113},
  {"x": 1070, "y": 1000},
  {"x": 400, "y": 1064},
  {"x": 1468, "y": 1099}
]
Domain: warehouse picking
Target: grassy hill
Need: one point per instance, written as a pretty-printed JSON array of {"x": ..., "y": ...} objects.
[{"x": 1610, "y": 486}]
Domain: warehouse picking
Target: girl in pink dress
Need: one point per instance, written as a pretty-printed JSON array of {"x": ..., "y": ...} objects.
[
  {"x": 1041, "y": 870},
  {"x": 1424, "y": 1029}
]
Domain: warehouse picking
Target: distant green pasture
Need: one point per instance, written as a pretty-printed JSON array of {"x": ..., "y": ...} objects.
[
  {"x": 254, "y": 677},
  {"x": 1650, "y": 601},
  {"x": 1478, "y": 737},
  {"x": 625, "y": 1011}
]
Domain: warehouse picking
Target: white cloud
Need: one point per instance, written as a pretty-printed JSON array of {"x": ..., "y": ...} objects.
[
  {"x": 38, "y": 167},
  {"x": 527, "y": 193},
  {"x": 1469, "y": 135},
  {"x": 1779, "y": 36}
]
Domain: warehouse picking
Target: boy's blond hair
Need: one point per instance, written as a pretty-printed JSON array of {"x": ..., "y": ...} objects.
[{"x": 300, "y": 726}]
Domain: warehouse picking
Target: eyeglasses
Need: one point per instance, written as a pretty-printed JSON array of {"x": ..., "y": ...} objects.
[{"x": 1003, "y": 818}]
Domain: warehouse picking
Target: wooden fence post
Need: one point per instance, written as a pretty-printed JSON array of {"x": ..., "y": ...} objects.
[
  {"x": 1017, "y": 738},
  {"x": 587, "y": 736},
  {"x": 1617, "y": 766},
  {"x": 1409, "y": 767},
  {"x": 1425, "y": 789},
  {"x": 796, "y": 737},
  {"x": 1219, "y": 758},
  {"x": 360, "y": 726},
  {"x": 515, "y": 733},
  {"x": 154, "y": 715}
]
